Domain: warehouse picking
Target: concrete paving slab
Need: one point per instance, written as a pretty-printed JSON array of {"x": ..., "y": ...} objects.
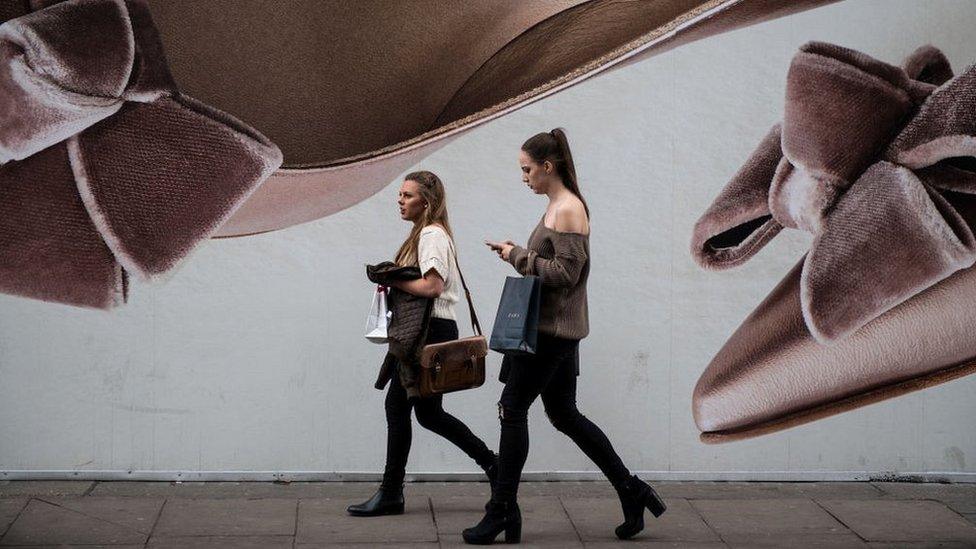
[
  {"x": 222, "y": 542},
  {"x": 9, "y": 509},
  {"x": 303, "y": 490},
  {"x": 544, "y": 521},
  {"x": 55, "y": 488},
  {"x": 596, "y": 518},
  {"x": 962, "y": 506},
  {"x": 450, "y": 489},
  {"x": 959, "y": 497},
  {"x": 326, "y": 520},
  {"x": 927, "y": 490},
  {"x": 767, "y": 517},
  {"x": 42, "y": 523},
  {"x": 644, "y": 544},
  {"x": 64, "y": 546},
  {"x": 922, "y": 545},
  {"x": 892, "y": 520},
  {"x": 138, "y": 514},
  {"x": 227, "y": 517},
  {"x": 397, "y": 545},
  {"x": 768, "y": 490},
  {"x": 804, "y": 541},
  {"x": 234, "y": 490},
  {"x": 598, "y": 488}
]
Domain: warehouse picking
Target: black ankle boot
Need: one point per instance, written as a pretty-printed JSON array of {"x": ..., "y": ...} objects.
[
  {"x": 635, "y": 496},
  {"x": 499, "y": 516},
  {"x": 386, "y": 501}
]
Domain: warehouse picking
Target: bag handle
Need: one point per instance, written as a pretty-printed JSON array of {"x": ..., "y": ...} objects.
[{"x": 475, "y": 325}]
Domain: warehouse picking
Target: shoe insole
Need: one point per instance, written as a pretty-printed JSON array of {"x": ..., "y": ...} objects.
[{"x": 330, "y": 80}]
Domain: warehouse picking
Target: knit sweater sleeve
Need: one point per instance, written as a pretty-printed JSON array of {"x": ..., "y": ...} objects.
[
  {"x": 434, "y": 252},
  {"x": 562, "y": 270}
]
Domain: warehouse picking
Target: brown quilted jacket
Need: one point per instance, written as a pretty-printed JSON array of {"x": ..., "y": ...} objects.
[{"x": 408, "y": 326}]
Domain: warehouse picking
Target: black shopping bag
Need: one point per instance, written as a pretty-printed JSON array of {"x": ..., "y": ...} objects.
[{"x": 517, "y": 320}]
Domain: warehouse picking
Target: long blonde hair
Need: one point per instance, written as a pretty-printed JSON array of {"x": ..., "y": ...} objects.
[{"x": 432, "y": 191}]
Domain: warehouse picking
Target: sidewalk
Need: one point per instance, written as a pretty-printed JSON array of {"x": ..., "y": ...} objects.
[{"x": 555, "y": 514}]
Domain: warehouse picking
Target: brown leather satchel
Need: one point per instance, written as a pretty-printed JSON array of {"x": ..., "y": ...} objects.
[{"x": 454, "y": 365}]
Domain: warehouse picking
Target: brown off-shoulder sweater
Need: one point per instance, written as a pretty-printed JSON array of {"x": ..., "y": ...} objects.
[{"x": 562, "y": 261}]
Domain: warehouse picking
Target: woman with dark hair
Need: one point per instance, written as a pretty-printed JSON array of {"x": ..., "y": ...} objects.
[
  {"x": 558, "y": 252},
  {"x": 430, "y": 247}
]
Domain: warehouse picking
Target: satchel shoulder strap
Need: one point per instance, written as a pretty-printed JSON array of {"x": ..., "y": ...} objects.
[{"x": 475, "y": 325}]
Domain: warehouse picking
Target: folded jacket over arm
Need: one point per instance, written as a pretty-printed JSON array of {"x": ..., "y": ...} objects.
[{"x": 408, "y": 326}]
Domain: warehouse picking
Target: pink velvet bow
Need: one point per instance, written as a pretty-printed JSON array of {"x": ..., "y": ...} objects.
[
  {"x": 876, "y": 162},
  {"x": 105, "y": 168}
]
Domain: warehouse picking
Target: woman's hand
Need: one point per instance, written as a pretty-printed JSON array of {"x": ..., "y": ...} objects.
[{"x": 501, "y": 248}]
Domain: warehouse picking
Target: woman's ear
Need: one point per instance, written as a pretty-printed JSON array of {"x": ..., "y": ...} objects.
[{"x": 548, "y": 166}]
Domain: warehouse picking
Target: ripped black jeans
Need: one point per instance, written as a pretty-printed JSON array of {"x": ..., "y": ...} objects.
[
  {"x": 430, "y": 415},
  {"x": 551, "y": 373}
]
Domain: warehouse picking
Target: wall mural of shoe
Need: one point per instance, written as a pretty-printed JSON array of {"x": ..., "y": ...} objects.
[
  {"x": 110, "y": 168},
  {"x": 879, "y": 164}
]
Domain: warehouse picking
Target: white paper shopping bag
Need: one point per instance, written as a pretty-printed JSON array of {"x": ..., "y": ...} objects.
[{"x": 379, "y": 317}]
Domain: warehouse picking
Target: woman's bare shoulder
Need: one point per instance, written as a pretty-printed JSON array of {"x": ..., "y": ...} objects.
[{"x": 571, "y": 217}]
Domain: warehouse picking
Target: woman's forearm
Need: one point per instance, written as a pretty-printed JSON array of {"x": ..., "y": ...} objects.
[{"x": 424, "y": 287}]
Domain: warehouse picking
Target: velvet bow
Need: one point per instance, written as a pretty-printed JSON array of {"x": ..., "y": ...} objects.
[
  {"x": 105, "y": 167},
  {"x": 871, "y": 159}
]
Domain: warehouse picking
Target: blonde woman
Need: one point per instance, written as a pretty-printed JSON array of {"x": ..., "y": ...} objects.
[{"x": 430, "y": 247}]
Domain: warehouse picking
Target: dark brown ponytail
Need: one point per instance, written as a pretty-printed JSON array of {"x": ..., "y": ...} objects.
[{"x": 554, "y": 147}]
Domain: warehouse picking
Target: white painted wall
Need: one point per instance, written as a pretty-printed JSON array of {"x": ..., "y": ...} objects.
[{"x": 251, "y": 358}]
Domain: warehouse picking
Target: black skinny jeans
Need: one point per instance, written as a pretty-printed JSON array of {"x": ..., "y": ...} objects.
[
  {"x": 430, "y": 414},
  {"x": 551, "y": 372}
]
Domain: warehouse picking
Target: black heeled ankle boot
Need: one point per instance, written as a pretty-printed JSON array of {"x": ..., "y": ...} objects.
[
  {"x": 386, "y": 501},
  {"x": 635, "y": 496},
  {"x": 499, "y": 516}
]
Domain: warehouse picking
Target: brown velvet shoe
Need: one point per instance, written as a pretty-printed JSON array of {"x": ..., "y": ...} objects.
[
  {"x": 877, "y": 162},
  {"x": 135, "y": 174},
  {"x": 349, "y": 94},
  {"x": 324, "y": 79}
]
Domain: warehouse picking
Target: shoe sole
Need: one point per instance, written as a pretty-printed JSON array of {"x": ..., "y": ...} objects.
[{"x": 840, "y": 406}]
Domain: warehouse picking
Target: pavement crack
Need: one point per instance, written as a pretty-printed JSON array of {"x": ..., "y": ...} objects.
[
  {"x": 433, "y": 518},
  {"x": 838, "y": 519},
  {"x": 294, "y": 540},
  {"x": 159, "y": 514},
  {"x": 691, "y": 503},
  {"x": 11, "y": 525},
  {"x": 100, "y": 519},
  {"x": 570, "y": 518}
]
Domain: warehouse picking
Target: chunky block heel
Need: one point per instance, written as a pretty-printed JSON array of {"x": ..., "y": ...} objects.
[
  {"x": 500, "y": 516},
  {"x": 513, "y": 534},
  {"x": 655, "y": 504},
  {"x": 635, "y": 496}
]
